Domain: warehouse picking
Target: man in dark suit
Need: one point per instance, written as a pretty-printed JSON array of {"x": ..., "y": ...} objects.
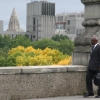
[{"x": 93, "y": 67}]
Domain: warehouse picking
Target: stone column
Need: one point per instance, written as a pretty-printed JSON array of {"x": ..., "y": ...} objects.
[{"x": 92, "y": 27}]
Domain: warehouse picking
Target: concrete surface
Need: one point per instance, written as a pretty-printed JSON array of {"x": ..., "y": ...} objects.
[
  {"x": 41, "y": 81},
  {"x": 66, "y": 98}
]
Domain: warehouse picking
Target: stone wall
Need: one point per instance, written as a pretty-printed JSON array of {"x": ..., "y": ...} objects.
[
  {"x": 41, "y": 81},
  {"x": 80, "y": 58}
]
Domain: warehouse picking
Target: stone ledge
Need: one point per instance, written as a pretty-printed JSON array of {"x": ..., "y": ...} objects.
[
  {"x": 42, "y": 69},
  {"x": 10, "y": 70},
  {"x": 77, "y": 68}
]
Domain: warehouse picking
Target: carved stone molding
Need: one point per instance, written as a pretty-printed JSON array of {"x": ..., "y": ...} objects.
[
  {"x": 91, "y": 23},
  {"x": 92, "y": 27},
  {"x": 90, "y": 1}
]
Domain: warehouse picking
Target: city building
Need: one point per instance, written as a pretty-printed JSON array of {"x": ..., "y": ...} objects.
[
  {"x": 13, "y": 26},
  {"x": 1, "y": 26},
  {"x": 60, "y": 21},
  {"x": 74, "y": 23},
  {"x": 69, "y": 24},
  {"x": 40, "y": 20},
  {"x": 12, "y": 34},
  {"x": 14, "y": 23}
]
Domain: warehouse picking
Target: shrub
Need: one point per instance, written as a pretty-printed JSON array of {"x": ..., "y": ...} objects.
[
  {"x": 66, "y": 61},
  {"x": 2, "y": 61},
  {"x": 29, "y": 56}
]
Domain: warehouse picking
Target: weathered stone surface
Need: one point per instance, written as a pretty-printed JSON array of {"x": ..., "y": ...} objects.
[
  {"x": 77, "y": 68},
  {"x": 10, "y": 70},
  {"x": 27, "y": 86},
  {"x": 47, "y": 81},
  {"x": 44, "y": 69},
  {"x": 91, "y": 23},
  {"x": 81, "y": 58},
  {"x": 58, "y": 81},
  {"x": 92, "y": 27}
]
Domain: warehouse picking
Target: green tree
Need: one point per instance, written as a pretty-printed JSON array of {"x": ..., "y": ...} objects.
[
  {"x": 2, "y": 62},
  {"x": 21, "y": 40},
  {"x": 7, "y": 41},
  {"x": 1, "y": 41},
  {"x": 4, "y": 52},
  {"x": 5, "y": 44},
  {"x": 66, "y": 46},
  {"x": 58, "y": 37},
  {"x": 11, "y": 59},
  {"x": 42, "y": 44}
]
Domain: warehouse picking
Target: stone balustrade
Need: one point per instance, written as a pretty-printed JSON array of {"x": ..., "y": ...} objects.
[{"x": 41, "y": 81}]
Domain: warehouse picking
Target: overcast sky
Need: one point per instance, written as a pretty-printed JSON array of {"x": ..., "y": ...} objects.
[{"x": 6, "y": 7}]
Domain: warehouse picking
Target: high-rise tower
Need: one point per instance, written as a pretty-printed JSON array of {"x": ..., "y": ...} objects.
[
  {"x": 40, "y": 19},
  {"x": 14, "y": 23}
]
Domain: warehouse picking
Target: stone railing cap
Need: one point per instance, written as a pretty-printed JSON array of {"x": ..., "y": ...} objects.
[
  {"x": 77, "y": 68},
  {"x": 42, "y": 69}
]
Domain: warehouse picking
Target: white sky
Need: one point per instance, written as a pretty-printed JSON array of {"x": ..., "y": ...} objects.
[{"x": 6, "y": 7}]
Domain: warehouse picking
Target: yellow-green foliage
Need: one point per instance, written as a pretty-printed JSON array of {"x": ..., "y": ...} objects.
[
  {"x": 29, "y": 56},
  {"x": 65, "y": 61}
]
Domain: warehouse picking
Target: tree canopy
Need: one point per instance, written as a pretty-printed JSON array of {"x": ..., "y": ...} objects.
[
  {"x": 60, "y": 42},
  {"x": 59, "y": 37}
]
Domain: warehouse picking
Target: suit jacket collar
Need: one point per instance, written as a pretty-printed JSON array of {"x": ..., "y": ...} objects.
[{"x": 95, "y": 45}]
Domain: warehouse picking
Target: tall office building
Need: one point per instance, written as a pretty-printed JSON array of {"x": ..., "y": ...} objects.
[
  {"x": 1, "y": 26},
  {"x": 40, "y": 20}
]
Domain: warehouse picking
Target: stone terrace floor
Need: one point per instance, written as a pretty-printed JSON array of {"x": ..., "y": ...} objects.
[{"x": 67, "y": 98}]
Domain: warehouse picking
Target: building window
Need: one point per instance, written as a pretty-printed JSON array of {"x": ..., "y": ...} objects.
[
  {"x": 33, "y": 24},
  {"x": 34, "y": 21},
  {"x": 47, "y": 9},
  {"x": 68, "y": 22},
  {"x": 82, "y": 15},
  {"x": 31, "y": 37},
  {"x": 53, "y": 8},
  {"x": 60, "y": 26},
  {"x": 43, "y": 8},
  {"x": 78, "y": 15},
  {"x": 71, "y": 15},
  {"x": 60, "y": 18},
  {"x": 37, "y": 29},
  {"x": 68, "y": 29}
]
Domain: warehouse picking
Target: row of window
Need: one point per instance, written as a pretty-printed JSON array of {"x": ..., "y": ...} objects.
[
  {"x": 79, "y": 15},
  {"x": 35, "y": 22},
  {"x": 48, "y": 8},
  {"x": 61, "y": 18},
  {"x": 60, "y": 26}
]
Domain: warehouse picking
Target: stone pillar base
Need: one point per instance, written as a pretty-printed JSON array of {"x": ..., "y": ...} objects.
[{"x": 80, "y": 58}]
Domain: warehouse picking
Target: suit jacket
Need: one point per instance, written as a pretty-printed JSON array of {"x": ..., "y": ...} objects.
[{"x": 94, "y": 62}]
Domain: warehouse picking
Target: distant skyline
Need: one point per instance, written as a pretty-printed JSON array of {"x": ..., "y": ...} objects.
[{"x": 6, "y": 8}]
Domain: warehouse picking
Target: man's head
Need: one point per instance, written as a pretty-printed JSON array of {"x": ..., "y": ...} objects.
[{"x": 94, "y": 40}]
